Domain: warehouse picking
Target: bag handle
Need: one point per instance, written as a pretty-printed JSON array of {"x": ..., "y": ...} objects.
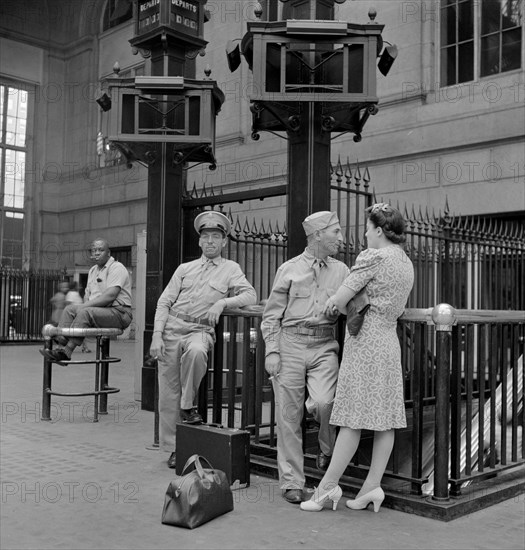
[{"x": 198, "y": 466}]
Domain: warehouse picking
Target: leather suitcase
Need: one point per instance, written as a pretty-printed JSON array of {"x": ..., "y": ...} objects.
[{"x": 227, "y": 449}]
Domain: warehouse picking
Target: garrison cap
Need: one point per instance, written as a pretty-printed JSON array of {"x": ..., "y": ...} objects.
[
  {"x": 212, "y": 220},
  {"x": 319, "y": 220}
]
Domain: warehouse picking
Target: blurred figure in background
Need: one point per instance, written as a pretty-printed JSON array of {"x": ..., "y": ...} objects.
[
  {"x": 73, "y": 297},
  {"x": 58, "y": 302}
]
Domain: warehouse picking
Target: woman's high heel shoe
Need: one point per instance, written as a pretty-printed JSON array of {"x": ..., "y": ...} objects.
[
  {"x": 315, "y": 504},
  {"x": 375, "y": 495}
]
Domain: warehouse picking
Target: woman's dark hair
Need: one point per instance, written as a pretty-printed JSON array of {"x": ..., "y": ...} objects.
[{"x": 389, "y": 219}]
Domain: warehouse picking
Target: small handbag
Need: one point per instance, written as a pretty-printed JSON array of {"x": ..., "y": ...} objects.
[
  {"x": 356, "y": 310},
  {"x": 198, "y": 496}
]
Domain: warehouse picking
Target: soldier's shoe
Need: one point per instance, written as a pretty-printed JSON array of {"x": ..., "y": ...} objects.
[{"x": 190, "y": 416}]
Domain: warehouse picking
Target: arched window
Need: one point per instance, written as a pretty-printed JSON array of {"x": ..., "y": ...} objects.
[{"x": 116, "y": 12}]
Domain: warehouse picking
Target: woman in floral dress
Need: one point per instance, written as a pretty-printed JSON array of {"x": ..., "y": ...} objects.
[{"x": 370, "y": 386}]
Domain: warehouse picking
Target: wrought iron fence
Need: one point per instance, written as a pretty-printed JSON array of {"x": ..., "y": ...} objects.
[
  {"x": 260, "y": 251},
  {"x": 465, "y": 403},
  {"x": 260, "y": 248},
  {"x": 351, "y": 194},
  {"x": 25, "y": 302},
  {"x": 468, "y": 262}
]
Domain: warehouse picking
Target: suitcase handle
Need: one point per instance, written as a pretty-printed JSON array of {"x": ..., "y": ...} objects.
[{"x": 215, "y": 425}]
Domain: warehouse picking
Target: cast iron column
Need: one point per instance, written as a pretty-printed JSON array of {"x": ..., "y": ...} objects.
[
  {"x": 164, "y": 237},
  {"x": 309, "y": 147},
  {"x": 308, "y": 174}
]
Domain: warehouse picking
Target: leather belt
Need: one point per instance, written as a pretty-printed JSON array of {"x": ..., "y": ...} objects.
[
  {"x": 314, "y": 331},
  {"x": 190, "y": 319}
]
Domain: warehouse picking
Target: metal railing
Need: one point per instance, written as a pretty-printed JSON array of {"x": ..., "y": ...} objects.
[{"x": 463, "y": 372}]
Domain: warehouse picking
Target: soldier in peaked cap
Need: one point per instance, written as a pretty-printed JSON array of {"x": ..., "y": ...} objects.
[
  {"x": 185, "y": 319},
  {"x": 301, "y": 346},
  {"x": 212, "y": 220}
]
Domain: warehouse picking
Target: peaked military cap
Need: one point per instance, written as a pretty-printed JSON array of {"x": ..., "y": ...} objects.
[{"x": 212, "y": 220}]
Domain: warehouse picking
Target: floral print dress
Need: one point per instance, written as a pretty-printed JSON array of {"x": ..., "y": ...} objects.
[{"x": 370, "y": 386}]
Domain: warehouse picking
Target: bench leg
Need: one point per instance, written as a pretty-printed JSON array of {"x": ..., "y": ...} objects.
[
  {"x": 97, "y": 381},
  {"x": 104, "y": 375},
  {"x": 46, "y": 386}
]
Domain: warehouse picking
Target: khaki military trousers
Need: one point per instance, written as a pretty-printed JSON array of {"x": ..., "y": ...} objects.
[
  {"x": 180, "y": 372},
  {"x": 307, "y": 362}
]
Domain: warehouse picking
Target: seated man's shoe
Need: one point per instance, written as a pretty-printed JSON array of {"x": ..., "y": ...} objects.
[
  {"x": 294, "y": 496},
  {"x": 60, "y": 340},
  {"x": 171, "y": 461},
  {"x": 55, "y": 355},
  {"x": 190, "y": 416},
  {"x": 323, "y": 461}
]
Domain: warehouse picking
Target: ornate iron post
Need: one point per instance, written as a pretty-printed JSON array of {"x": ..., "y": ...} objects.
[
  {"x": 164, "y": 120},
  {"x": 312, "y": 76},
  {"x": 444, "y": 317}
]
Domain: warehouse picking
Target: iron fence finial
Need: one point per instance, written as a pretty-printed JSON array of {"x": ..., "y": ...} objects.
[
  {"x": 366, "y": 177},
  {"x": 348, "y": 172}
]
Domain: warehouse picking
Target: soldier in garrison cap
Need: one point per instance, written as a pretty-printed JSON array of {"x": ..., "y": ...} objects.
[
  {"x": 301, "y": 349},
  {"x": 185, "y": 319},
  {"x": 318, "y": 221}
]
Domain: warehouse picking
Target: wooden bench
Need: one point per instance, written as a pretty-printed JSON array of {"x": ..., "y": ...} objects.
[{"x": 101, "y": 361}]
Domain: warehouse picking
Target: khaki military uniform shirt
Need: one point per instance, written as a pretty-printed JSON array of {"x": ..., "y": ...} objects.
[
  {"x": 300, "y": 290},
  {"x": 196, "y": 286}
]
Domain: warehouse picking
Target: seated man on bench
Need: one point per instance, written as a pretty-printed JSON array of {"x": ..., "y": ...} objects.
[{"x": 107, "y": 302}]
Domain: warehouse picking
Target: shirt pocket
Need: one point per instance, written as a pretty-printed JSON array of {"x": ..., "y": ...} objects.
[
  {"x": 301, "y": 299},
  {"x": 217, "y": 290},
  {"x": 300, "y": 291}
]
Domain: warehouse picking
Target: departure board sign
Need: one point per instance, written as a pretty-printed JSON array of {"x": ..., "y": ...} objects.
[
  {"x": 182, "y": 16},
  {"x": 148, "y": 15},
  {"x": 185, "y": 16}
]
